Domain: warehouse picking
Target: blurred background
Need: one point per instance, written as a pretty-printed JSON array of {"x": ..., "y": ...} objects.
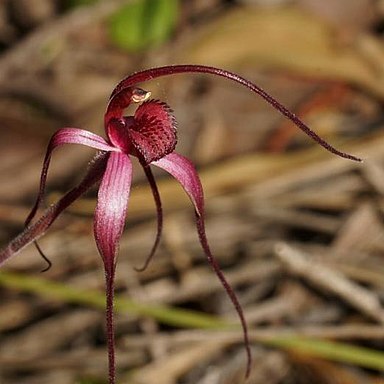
[{"x": 297, "y": 231}]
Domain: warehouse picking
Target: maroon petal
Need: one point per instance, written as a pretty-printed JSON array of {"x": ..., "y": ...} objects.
[
  {"x": 33, "y": 231},
  {"x": 66, "y": 136},
  {"x": 184, "y": 171},
  {"x": 153, "y": 133},
  {"x": 159, "y": 211},
  {"x": 112, "y": 202}
]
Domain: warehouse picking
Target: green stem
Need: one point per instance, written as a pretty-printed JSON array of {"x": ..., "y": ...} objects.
[
  {"x": 335, "y": 351},
  {"x": 61, "y": 292},
  {"x": 330, "y": 350},
  {"x": 110, "y": 292}
]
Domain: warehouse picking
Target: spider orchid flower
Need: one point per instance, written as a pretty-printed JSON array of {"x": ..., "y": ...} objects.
[{"x": 151, "y": 136}]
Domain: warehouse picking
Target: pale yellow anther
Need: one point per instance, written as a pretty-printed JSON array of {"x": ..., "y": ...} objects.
[{"x": 139, "y": 95}]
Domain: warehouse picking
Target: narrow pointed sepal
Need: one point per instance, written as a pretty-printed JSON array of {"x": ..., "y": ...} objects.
[
  {"x": 168, "y": 70},
  {"x": 184, "y": 171},
  {"x": 61, "y": 137},
  {"x": 112, "y": 202},
  {"x": 35, "y": 230}
]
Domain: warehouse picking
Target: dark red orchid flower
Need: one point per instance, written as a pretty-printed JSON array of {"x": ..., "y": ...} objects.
[{"x": 151, "y": 136}]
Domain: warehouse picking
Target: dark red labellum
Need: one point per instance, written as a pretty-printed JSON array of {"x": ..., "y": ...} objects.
[{"x": 153, "y": 133}]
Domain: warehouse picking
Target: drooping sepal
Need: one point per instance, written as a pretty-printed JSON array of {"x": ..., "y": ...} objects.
[
  {"x": 61, "y": 137},
  {"x": 35, "y": 230},
  {"x": 185, "y": 173},
  {"x": 112, "y": 202}
]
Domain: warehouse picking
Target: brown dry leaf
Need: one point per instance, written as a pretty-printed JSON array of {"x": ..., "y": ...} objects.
[
  {"x": 326, "y": 372},
  {"x": 319, "y": 275},
  {"x": 351, "y": 237},
  {"x": 170, "y": 368},
  {"x": 292, "y": 40},
  {"x": 348, "y": 14}
]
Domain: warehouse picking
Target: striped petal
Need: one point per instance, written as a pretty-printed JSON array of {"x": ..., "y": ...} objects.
[{"x": 112, "y": 202}]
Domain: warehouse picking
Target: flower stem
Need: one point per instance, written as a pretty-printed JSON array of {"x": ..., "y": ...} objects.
[
  {"x": 109, "y": 281},
  {"x": 280, "y": 337}
]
